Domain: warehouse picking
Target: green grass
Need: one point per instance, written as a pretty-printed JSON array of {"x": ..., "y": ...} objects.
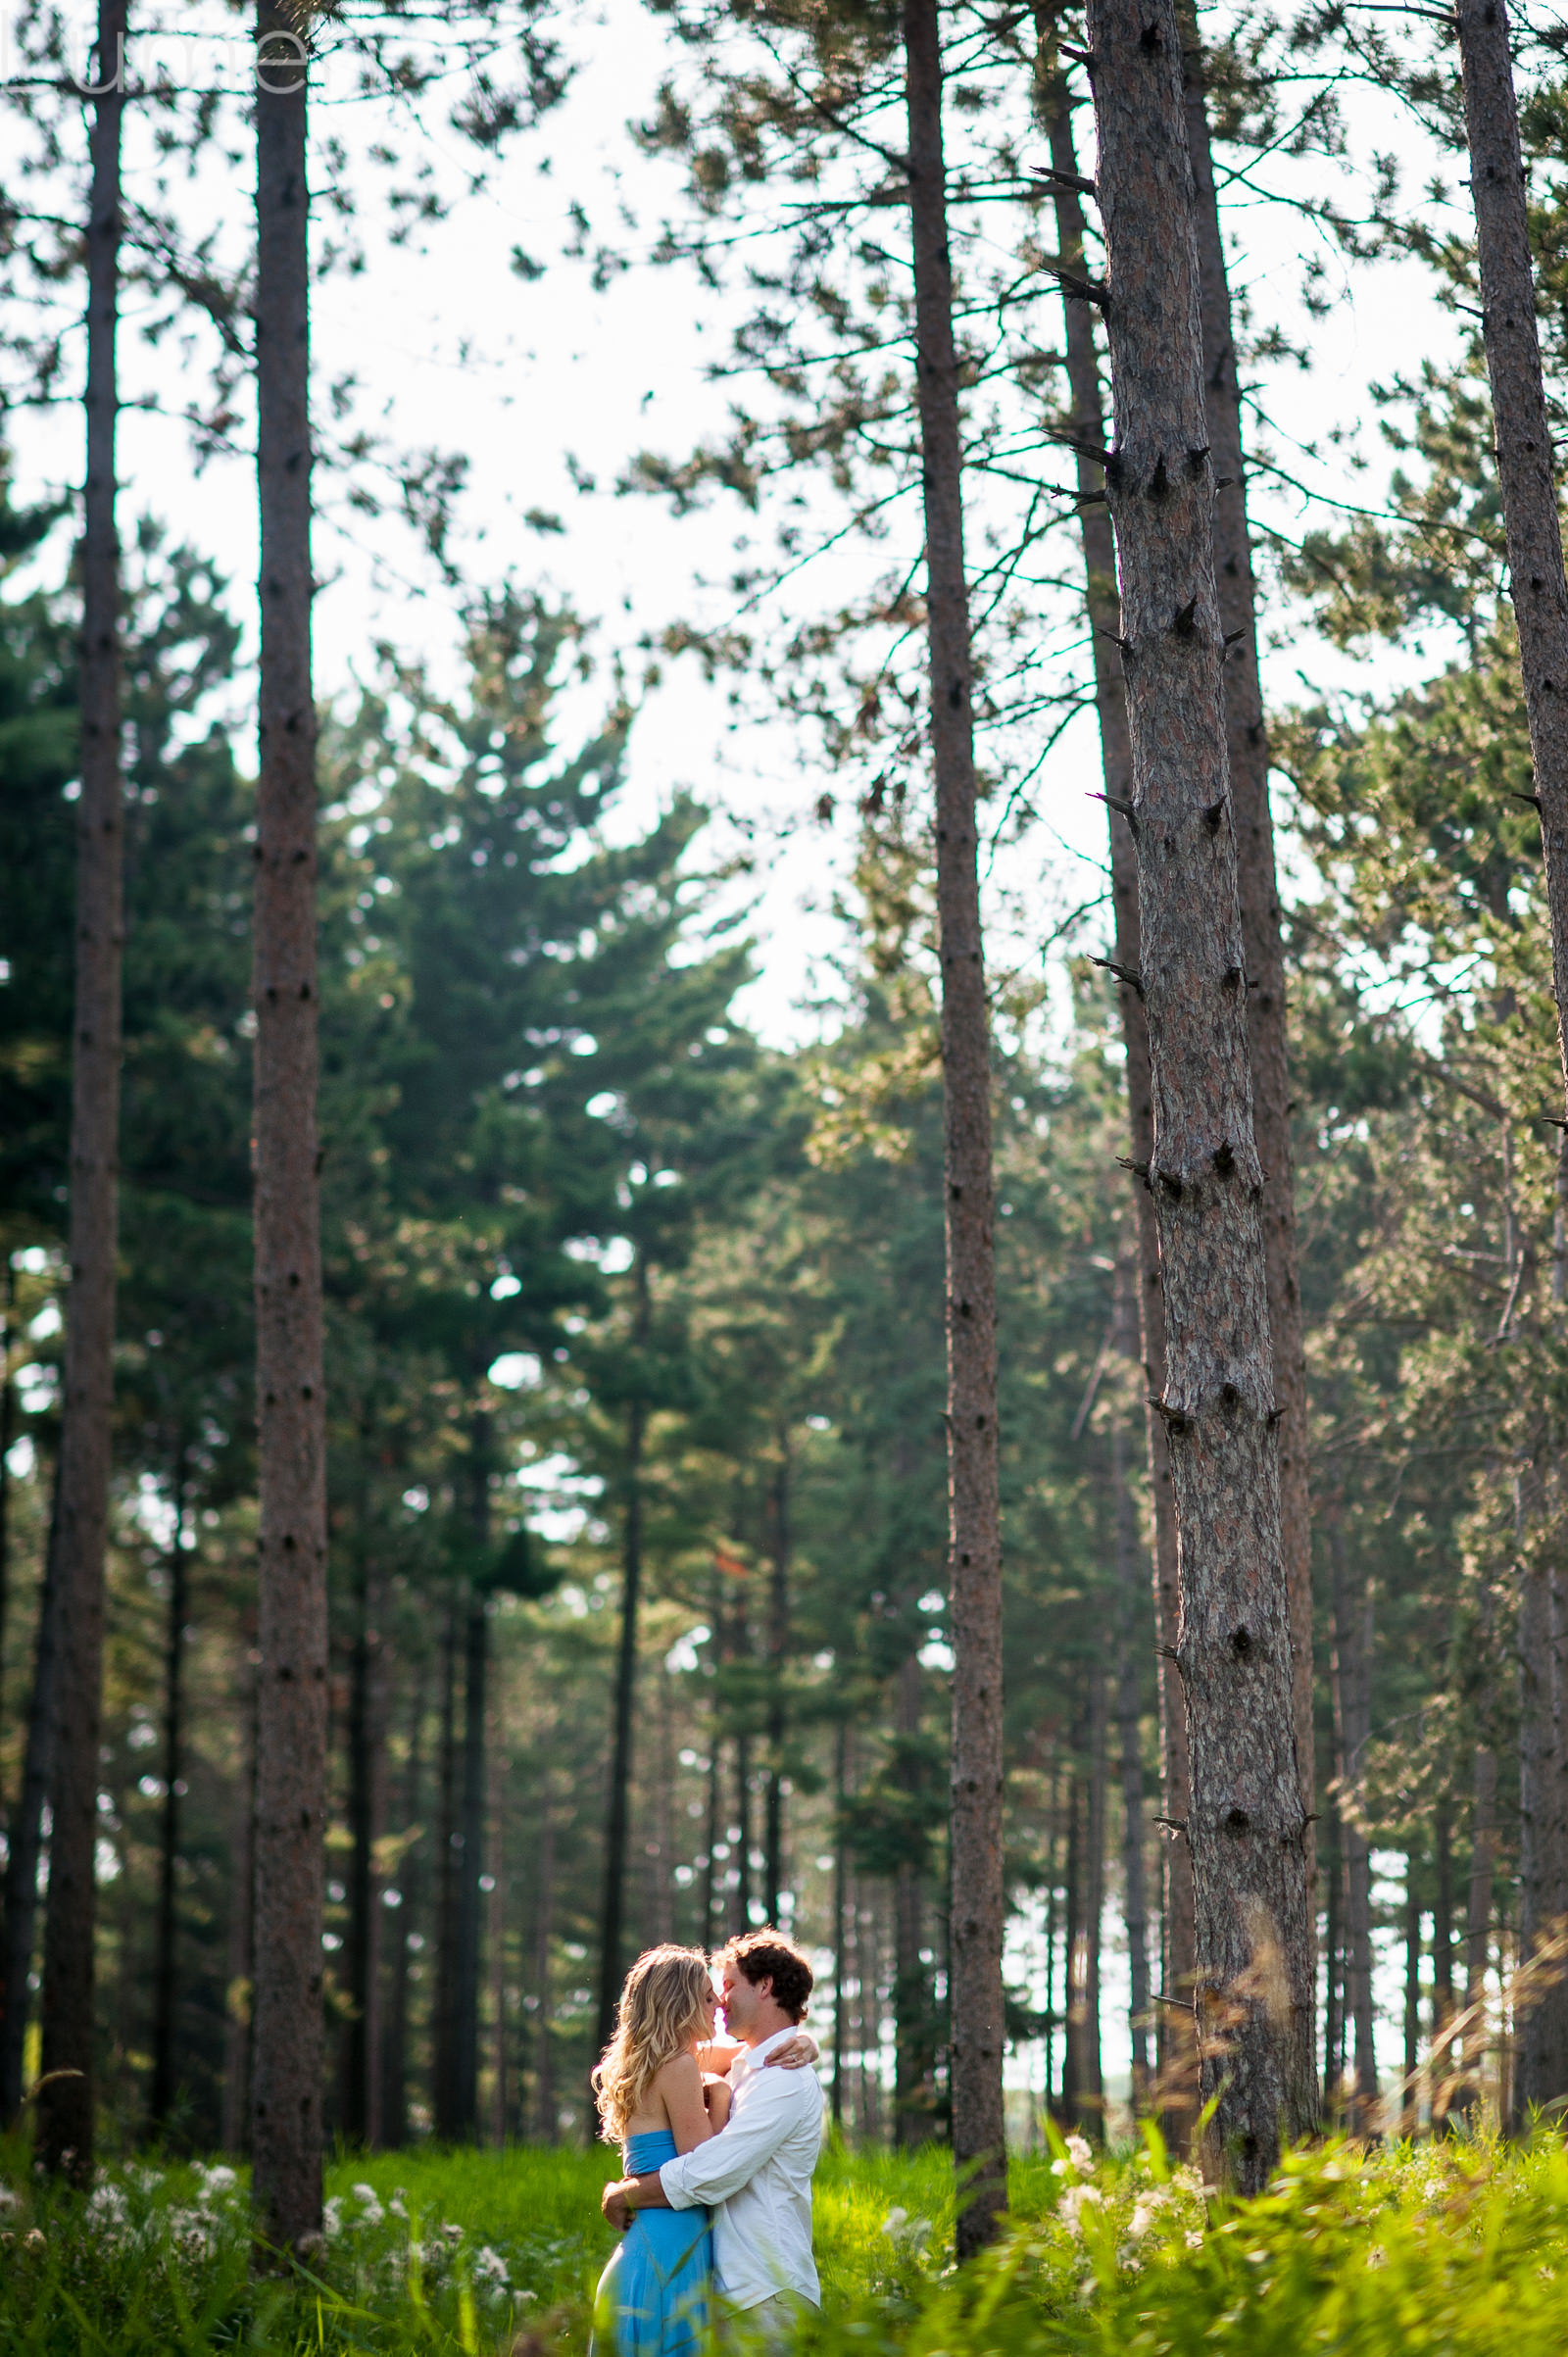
[{"x": 1454, "y": 2250}]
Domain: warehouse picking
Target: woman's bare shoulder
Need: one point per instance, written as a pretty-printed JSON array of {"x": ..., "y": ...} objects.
[{"x": 678, "y": 2074}]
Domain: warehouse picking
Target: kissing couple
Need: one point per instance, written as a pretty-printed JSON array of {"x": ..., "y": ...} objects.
[{"x": 718, "y": 2140}]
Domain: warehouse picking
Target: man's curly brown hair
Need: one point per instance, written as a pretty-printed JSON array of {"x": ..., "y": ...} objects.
[{"x": 767, "y": 1954}]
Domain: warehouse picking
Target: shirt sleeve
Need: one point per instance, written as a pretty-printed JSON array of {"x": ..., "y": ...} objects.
[{"x": 754, "y": 2131}]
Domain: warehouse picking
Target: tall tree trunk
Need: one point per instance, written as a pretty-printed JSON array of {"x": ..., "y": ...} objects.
[
  {"x": 841, "y": 1797},
  {"x": 24, "y": 1834},
  {"x": 912, "y": 2116},
  {"x": 713, "y": 1885},
  {"x": 7, "y": 1434},
  {"x": 291, "y": 1754},
  {"x": 361, "y": 2107},
  {"x": 1178, "y": 1936},
  {"x": 1478, "y": 1920},
  {"x": 1072, "y": 1946},
  {"x": 1526, "y": 470},
  {"x": 164, "y": 2044},
  {"x": 1537, "y": 2079},
  {"x": 547, "y": 2124},
  {"x": 1334, "y": 1960},
  {"x": 779, "y": 1639},
  {"x": 660, "y": 1850},
  {"x": 741, "y": 1898},
  {"x": 1246, "y": 1823},
  {"x": 239, "y": 2007},
  {"x": 444, "y": 2024},
  {"x": 977, "y": 1900},
  {"x": 393, "y": 2060},
  {"x": 1443, "y": 2060},
  {"x": 1352, "y": 1663},
  {"x": 1089, "y": 2089},
  {"x": 1263, "y": 952},
  {"x": 611, "y": 1935},
  {"x": 66, "y": 2103},
  {"x": 1131, "y": 1582},
  {"x": 471, "y": 1865},
  {"x": 496, "y": 1909},
  {"x": 1410, "y": 2107}
]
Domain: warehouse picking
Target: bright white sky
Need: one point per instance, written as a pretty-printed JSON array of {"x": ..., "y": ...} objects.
[{"x": 452, "y": 349}]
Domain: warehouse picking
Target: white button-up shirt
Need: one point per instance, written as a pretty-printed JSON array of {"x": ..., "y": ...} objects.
[{"x": 755, "y": 2177}]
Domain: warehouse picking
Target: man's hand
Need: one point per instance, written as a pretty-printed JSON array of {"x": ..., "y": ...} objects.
[
  {"x": 795, "y": 2053},
  {"x": 615, "y": 2202}
]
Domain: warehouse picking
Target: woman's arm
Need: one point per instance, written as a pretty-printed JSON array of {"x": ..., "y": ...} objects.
[
  {"x": 718, "y": 2095},
  {"x": 718, "y": 2054},
  {"x": 679, "y": 2086}
]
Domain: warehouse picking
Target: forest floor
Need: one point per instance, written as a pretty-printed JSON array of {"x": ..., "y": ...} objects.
[{"x": 1457, "y": 2249}]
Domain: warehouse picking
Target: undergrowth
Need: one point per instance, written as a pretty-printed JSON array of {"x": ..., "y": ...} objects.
[{"x": 1454, "y": 2249}]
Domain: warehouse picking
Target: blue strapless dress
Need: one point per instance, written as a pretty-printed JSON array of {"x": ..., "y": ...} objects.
[{"x": 652, "y": 2298}]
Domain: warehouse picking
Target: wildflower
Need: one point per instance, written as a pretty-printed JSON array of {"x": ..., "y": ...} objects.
[
  {"x": 491, "y": 2267},
  {"x": 8, "y": 2199},
  {"x": 1192, "y": 2239},
  {"x": 453, "y": 2234},
  {"x": 1078, "y": 2153},
  {"x": 370, "y": 2202},
  {"x": 33, "y": 2240},
  {"x": 219, "y": 2179},
  {"x": 398, "y": 2205},
  {"x": 332, "y": 2218},
  {"x": 1070, "y": 2208},
  {"x": 1141, "y": 2219}
]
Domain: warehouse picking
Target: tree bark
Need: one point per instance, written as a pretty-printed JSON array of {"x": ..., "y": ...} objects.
[
  {"x": 164, "y": 1984},
  {"x": 978, "y": 1899},
  {"x": 1524, "y": 465},
  {"x": 841, "y": 1795},
  {"x": 913, "y": 2109},
  {"x": 1247, "y": 1822},
  {"x": 496, "y": 1911},
  {"x": 779, "y": 1639},
  {"x": 1352, "y": 1651},
  {"x": 1103, "y": 607},
  {"x": 612, "y": 1936},
  {"x": 1084, "y": 1967},
  {"x": 1268, "y": 1034},
  {"x": 66, "y": 2105},
  {"x": 1334, "y": 1981},
  {"x": 25, "y": 1835},
  {"x": 7, "y": 1434},
  {"x": 291, "y": 1750}
]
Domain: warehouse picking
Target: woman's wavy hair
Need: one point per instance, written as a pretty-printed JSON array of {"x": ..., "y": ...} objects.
[{"x": 661, "y": 2013}]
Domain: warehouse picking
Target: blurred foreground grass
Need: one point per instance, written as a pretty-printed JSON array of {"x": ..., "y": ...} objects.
[{"x": 1458, "y": 2249}]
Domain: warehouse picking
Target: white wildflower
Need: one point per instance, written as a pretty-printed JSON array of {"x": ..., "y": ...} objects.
[
  {"x": 1141, "y": 2219},
  {"x": 332, "y": 2219},
  {"x": 1078, "y": 2153},
  {"x": 453, "y": 2234},
  {"x": 893, "y": 2223},
  {"x": 8, "y": 2199},
  {"x": 491, "y": 2266},
  {"x": 398, "y": 2205},
  {"x": 1070, "y": 2208},
  {"x": 1192, "y": 2239},
  {"x": 370, "y": 2204},
  {"x": 219, "y": 2180}
]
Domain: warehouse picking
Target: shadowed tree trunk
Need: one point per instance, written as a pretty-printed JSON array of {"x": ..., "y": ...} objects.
[
  {"x": 24, "y": 1836},
  {"x": 1247, "y": 741},
  {"x": 779, "y": 1639},
  {"x": 841, "y": 1795},
  {"x": 1246, "y": 1817},
  {"x": 291, "y": 1750},
  {"x": 547, "y": 2126},
  {"x": 496, "y": 1912},
  {"x": 1353, "y": 1664},
  {"x": 1083, "y": 1965},
  {"x": 165, "y": 2060},
  {"x": 1537, "y": 2079},
  {"x": 393, "y": 2061},
  {"x": 612, "y": 1936},
  {"x": 66, "y": 2105},
  {"x": 7, "y": 1434},
  {"x": 1131, "y": 1590},
  {"x": 360, "y": 2108},
  {"x": 1333, "y": 1958},
  {"x": 443, "y": 2026},
  {"x": 1478, "y": 1920},
  {"x": 913, "y": 2122},
  {"x": 1443, "y": 2063},
  {"x": 237, "y": 2011},
  {"x": 1410, "y": 2108},
  {"x": 741, "y": 1900},
  {"x": 471, "y": 1865},
  {"x": 1526, "y": 470},
  {"x": 1111, "y": 704},
  {"x": 974, "y": 1515}
]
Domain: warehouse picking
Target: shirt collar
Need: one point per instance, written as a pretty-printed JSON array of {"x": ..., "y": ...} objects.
[{"x": 754, "y": 2056}]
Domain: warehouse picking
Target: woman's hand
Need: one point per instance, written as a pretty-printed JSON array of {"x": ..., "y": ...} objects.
[
  {"x": 795, "y": 2053},
  {"x": 718, "y": 2095}
]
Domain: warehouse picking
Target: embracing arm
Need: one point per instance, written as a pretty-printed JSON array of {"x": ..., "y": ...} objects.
[
  {"x": 681, "y": 2085},
  {"x": 757, "y": 2128}
]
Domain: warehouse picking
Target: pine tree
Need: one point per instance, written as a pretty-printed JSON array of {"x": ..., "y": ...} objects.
[
  {"x": 67, "y": 2102},
  {"x": 1245, "y": 1823},
  {"x": 291, "y": 1402}
]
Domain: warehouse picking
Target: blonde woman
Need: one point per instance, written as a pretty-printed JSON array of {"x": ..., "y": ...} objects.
[{"x": 660, "y": 2090}]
